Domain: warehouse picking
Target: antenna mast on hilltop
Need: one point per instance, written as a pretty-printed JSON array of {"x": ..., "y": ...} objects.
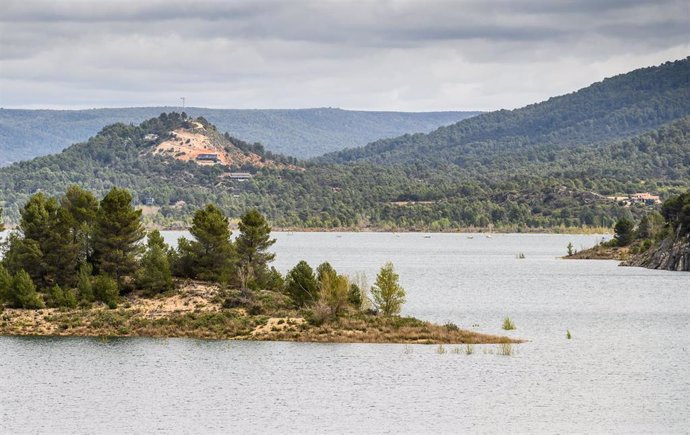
[{"x": 182, "y": 98}]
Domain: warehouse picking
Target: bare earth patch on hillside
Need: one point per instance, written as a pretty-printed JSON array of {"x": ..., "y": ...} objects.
[{"x": 188, "y": 145}]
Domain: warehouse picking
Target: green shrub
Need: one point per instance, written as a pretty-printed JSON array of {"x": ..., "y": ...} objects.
[
  {"x": 451, "y": 326},
  {"x": 56, "y": 297},
  {"x": 22, "y": 292},
  {"x": 105, "y": 290},
  {"x": 508, "y": 324},
  {"x": 85, "y": 285},
  {"x": 70, "y": 299}
]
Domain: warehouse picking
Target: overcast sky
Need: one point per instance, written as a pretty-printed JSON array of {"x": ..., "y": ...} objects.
[{"x": 373, "y": 55}]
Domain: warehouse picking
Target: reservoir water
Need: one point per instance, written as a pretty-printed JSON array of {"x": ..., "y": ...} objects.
[{"x": 626, "y": 368}]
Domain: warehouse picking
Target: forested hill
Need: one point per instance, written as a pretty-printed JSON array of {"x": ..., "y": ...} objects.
[
  {"x": 302, "y": 133},
  {"x": 565, "y": 162},
  {"x": 615, "y": 108},
  {"x": 570, "y": 191}
]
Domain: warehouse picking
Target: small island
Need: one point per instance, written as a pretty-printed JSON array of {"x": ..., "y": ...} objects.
[{"x": 77, "y": 266}]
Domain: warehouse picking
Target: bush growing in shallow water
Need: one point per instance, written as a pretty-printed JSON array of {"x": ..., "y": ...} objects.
[
  {"x": 508, "y": 324},
  {"x": 505, "y": 349}
]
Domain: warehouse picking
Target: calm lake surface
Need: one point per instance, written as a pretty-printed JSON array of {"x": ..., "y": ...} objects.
[{"x": 626, "y": 369}]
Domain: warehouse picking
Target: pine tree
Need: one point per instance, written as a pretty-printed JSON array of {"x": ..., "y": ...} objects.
[
  {"x": 23, "y": 254},
  {"x": 70, "y": 298},
  {"x": 252, "y": 245},
  {"x": 301, "y": 284},
  {"x": 85, "y": 284},
  {"x": 105, "y": 290},
  {"x": 5, "y": 285},
  {"x": 624, "y": 231},
  {"x": 56, "y": 297},
  {"x": 117, "y": 233},
  {"x": 82, "y": 209},
  {"x": 354, "y": 296},
  {"x": 210, "y": 255},
  {"x": 325, "y": 272},
  {"x": 388, "y": 295},
  {"x": 59, "y": 297},
  {"x": 22, "y": 292},
  {"x": 2, "y": 222},
  {"x": 154, "y": 274},
  {"x": 44, "y": 222}
]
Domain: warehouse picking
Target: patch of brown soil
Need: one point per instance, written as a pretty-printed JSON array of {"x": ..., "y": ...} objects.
[
  {"x": 189, "y": 144},
  {"x": 193, "y": 296}
]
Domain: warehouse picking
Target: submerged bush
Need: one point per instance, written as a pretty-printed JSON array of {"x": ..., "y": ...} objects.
[{"x": 505, "y": 349}]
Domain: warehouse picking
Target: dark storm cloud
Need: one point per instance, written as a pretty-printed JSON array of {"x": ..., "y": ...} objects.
[{"x": 408, "y": 55}]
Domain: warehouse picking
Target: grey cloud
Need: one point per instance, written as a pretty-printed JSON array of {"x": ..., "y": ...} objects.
[{"x": 395, "y": 54}]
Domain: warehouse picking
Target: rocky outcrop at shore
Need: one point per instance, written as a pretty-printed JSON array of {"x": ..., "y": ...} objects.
[{"x": 672, "y": 253}]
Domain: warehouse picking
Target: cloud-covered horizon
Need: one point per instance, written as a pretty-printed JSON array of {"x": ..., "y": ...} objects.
[{"x": 410, "y": 55}]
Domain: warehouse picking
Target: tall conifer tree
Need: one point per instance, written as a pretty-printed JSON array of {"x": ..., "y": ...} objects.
[
  {"x": 252, "y": 247},
  {"x": 52, "y": 257},
  {"x": 117, "y": 233},
  {"x": 210, "y": 255},
  {"x": 82, "y": 208}
]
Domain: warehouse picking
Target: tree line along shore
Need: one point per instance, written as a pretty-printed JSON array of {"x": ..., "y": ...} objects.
[{"x": 79, "y": 266}]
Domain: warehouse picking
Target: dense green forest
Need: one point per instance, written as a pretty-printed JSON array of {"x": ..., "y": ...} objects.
[
  {"x": 618, "y": 107},
  {"x": 547, "y": 165},
  {"x": 303, "y": 133},
  {"x": 365, "y": 195}
]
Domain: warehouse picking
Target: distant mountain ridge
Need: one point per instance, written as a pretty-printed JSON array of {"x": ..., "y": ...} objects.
[
  {"x": 302, "y": 133},
  {"x": 615, "y": 108}
]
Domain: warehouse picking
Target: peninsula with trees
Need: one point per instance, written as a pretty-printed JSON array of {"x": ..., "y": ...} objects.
[
  {"x": 78, "y": 266},
  {"x": 660, "y": 240}
]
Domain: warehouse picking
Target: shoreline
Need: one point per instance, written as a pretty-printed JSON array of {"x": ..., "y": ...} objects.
[
  {"x": 464, "y": 230},
  {"x": 197, "y": 310},
  {"x": 468, "y": 230}
]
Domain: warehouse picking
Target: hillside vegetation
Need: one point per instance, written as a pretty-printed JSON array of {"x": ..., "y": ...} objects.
[
  {"x": 303, "y": 133},
  {"x": 540, "y": 180},
  {"x": 618, "y": 107}
]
